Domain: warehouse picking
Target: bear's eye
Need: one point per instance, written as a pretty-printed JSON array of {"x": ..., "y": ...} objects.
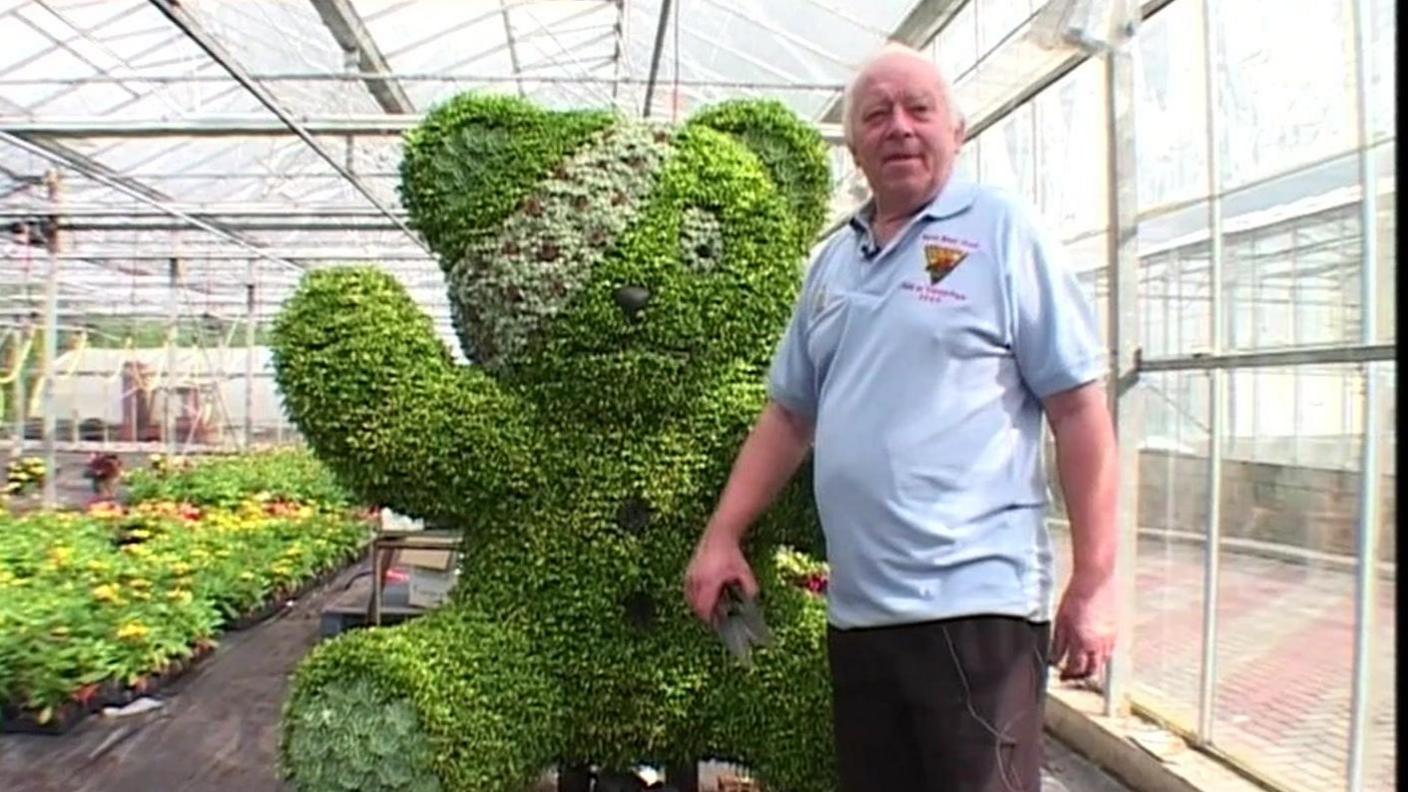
[{"x": 701, "y": 240}]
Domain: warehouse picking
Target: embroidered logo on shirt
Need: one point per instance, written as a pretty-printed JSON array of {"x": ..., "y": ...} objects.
[{"x": 940, "y": 260}]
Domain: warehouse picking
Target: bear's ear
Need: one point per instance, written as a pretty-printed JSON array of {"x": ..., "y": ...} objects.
[
  {"x": 473, "y": 159},
  {"x": 791, "y": 149}
]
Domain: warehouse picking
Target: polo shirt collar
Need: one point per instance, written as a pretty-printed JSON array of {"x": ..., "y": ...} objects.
[{"x": 953, "y": 199}]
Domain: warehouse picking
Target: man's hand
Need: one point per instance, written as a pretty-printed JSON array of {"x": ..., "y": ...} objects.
[
  {"x": 1084, "y": 633},
  {"x": 717, "y": 561},
  {"x": 1083, "y": 636},
  {"x": 771, "y": 454}
]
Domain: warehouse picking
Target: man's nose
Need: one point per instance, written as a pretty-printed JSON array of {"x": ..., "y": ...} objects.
[{"x": 901, "y": 125}]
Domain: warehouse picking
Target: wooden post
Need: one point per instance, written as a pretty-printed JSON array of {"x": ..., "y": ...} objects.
[
  {"x": 683, "y": 776},
  {"x": 574, "y": 778}
]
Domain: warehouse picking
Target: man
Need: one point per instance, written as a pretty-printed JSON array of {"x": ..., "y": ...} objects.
[{"x": 932, "y": 334}]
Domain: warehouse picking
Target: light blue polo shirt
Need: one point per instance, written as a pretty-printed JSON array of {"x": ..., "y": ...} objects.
[{"x": 922, "y": 366}]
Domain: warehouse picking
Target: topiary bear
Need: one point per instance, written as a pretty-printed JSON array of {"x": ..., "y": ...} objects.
[{"x": 619, "y": 287}]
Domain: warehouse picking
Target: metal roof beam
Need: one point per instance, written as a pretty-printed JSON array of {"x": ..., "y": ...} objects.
[
  {"x": 926, "y": 20},
  {"x": 181, "y": 18},
  {"x": 201, "y": 210},
  {"x": 281, "y": 255},
  {"x": 242, "y": 125},
  {"x": 320, "y": 224},
  {"x": 350, "y": 33},
  {"x": 140, "y": 192},
  {"x": 786, "y": 37},
  {"x": 405, "y": 77}
]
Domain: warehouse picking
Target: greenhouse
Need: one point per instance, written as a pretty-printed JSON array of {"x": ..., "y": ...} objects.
[{"x": 371, "y": 369}]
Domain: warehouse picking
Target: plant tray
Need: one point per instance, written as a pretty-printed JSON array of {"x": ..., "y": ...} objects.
[
  {"x": 15, "y": 719},
  {"x": 277, "y": 600},
  {"x": 733, "y": 783}
]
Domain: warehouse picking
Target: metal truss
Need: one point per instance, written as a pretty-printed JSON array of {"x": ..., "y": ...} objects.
[
  {"x": 926, "y": 20},
  {"x": 351, "y": 34},
  {"x": 248, "y": 126},
  {"x": 206, "y": 42}
]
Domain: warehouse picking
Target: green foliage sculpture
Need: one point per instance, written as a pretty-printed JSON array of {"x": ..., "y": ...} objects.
[{"x": 619, "y": 288}]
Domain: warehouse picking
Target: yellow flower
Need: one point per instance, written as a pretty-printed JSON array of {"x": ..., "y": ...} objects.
[
  {"x": 59, "y": 555},
  {"x": 107, "y": 593},
  {"x": 139, "y": 550},
  {"x": 246, "y": 576},
  {"x": 134, "y": 631},
  {"x": 180, "y": 596},
  {"x": 180, "y": 568}
]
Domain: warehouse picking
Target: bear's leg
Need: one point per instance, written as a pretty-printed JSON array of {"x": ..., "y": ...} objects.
[
  {"x": 447, "y": 702},
  {"x": 775, "y": 718}
]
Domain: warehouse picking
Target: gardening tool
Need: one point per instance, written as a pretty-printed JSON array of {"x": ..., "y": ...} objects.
[{"x": 739, "y": 622}]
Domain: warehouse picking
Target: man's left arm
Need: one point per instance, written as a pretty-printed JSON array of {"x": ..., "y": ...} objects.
[
  {"x": 1087, "y": 465},
  {"x": 1063, "y": 360}
]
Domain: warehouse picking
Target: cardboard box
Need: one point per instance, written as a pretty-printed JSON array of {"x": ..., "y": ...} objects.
[
  {"x": 420, "y": 558},
  {"x": 429, "y": 587}
]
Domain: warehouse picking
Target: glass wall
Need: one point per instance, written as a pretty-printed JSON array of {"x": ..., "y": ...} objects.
[{"x": 1260, "y": 667}]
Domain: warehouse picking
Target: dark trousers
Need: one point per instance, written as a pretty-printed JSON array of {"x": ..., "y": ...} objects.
[{"x": 943, "y": 706}]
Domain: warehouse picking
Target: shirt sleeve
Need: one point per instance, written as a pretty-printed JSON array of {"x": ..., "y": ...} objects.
[
  {"x": 1056, "y": 334},
  {"x": 792, "y": 377}
]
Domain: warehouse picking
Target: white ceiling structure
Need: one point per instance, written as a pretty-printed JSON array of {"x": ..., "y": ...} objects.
[{"x": 250, "y": 140}]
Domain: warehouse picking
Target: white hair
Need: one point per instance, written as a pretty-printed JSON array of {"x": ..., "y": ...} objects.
[{"x": 891, "y": 49}]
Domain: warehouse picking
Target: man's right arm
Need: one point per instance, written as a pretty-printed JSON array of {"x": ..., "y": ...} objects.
[{"x": 765, "y": 464}]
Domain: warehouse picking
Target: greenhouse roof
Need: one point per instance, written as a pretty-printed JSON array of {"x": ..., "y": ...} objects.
[{"x": 251, "y": 141}]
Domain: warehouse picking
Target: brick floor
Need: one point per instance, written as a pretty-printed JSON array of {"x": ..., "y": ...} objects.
[{"x": 1285, "y": 659}]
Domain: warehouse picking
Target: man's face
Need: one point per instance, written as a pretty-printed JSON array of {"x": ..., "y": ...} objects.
[{"x": 905, "y": 140}]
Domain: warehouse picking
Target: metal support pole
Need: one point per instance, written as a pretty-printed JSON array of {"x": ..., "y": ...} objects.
[
  {"x": 173, "y": 308},
  {"x": 619, "y": 64},
  {"x": 655, "y": 56},
  {"x": 512, "y": 45},
  {"x": 1207, "y": 682},
  {"x": 249, "y": 319},
  {"x": 1366, "y": 582},
  {"x": 1123, "y": 307},
  {"x": 1294, "y": 295},
  {"x": 51, "y": 345},
  {"x": 17, "y": 392}
]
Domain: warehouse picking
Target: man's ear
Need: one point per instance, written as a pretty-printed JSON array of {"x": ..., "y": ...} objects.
[
  {"x": 791, "y": 149},
  {"x": 473, "y": 159}
]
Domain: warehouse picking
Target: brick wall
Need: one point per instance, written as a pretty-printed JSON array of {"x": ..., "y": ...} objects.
[{"x": 1311, "y": 508}]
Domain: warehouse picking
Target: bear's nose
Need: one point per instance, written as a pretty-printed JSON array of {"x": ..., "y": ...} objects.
[{"x": 632, "y": 299}]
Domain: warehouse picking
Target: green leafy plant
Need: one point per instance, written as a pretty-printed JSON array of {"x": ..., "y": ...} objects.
[
  {"x": 289, "y": 474},
  {"x": 117, "y": 595},
  {"x": 22, "y": 475},
  {"x": 620, "y": 287}
]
